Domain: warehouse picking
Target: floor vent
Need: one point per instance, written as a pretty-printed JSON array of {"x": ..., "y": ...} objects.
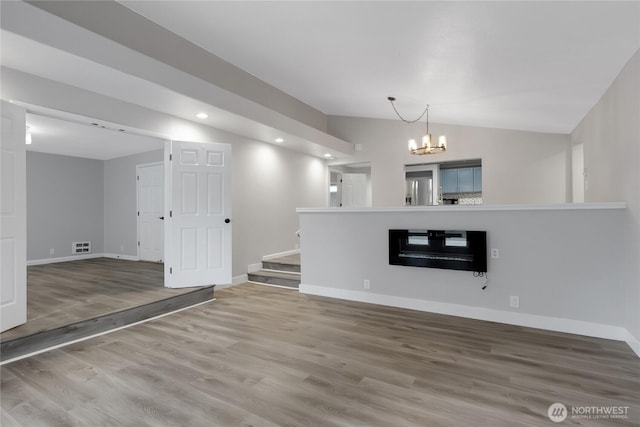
[{"x": 81, "y": 247}]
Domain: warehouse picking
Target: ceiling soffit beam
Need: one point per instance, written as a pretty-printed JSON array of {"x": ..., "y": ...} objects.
[
  {"x": 116, "y": 22},
  {"x": 42, "y": 27}
]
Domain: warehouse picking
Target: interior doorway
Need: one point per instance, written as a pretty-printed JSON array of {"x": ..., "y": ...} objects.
[
  {"x": 350, "y": 185},
  {"x": 202, "y": 171},
  {"x": 150, "y": 214}
]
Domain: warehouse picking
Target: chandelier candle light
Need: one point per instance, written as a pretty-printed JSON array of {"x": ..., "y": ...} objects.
[{"x": 427, "y": 147}]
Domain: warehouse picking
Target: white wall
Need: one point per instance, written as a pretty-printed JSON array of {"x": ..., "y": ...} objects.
[
  {"x": 517, "y": 166},
  {"x": 268, "y": 182},
  {"x": 65, "y": 204},
  {"x": 566, "y": 265},
  {"x": 610, "y": 133},
  {"x": 120, "y": 220}
]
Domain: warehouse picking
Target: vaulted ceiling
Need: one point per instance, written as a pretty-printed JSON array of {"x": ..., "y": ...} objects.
[
  {"x": 521, "y": 65},
  {"x": 537, "y": 66}
]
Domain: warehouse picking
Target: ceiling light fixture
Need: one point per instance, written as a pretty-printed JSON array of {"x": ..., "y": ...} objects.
[
  {"x": 279, "y": 140},
  {"x": 427, "y": 147},
  {"x": 202, "y": 115},
  {"x": 27, "y": 137}
]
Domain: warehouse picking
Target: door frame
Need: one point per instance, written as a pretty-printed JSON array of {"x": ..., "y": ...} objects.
[{"x": 138, "y": 167}]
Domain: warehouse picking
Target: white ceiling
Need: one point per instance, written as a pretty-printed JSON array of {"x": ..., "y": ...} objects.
[
  {"x": 521, "y": 65},
  {"x": 536, "y": 66}
]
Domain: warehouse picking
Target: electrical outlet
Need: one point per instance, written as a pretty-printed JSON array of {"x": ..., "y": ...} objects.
[
  {"x": 495, "y": 253},
  {"x": 514, "y": 301},
  {"x": 52, "y": 251},
  {"x": 367, "y": 284}
]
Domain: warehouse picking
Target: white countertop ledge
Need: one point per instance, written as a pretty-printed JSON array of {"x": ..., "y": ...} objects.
[{"x": 472, "y": 208}]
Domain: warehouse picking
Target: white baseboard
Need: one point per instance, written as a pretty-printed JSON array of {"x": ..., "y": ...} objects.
[
  {"x": 254, "y": 267},
  {"x": 280, "y": 254},
  {"x": 235, "y": 280},
  {"x": 63, "y": 259},
  {"x": 120, "y": 256},
  {"x": 557, "y": 324},
  {"x": 80, "y": 257}
]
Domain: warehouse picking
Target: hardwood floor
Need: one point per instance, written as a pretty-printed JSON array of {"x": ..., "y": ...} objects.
[
  {"x": 266, "y": 356},
  {"x": 63, "y": 293}
]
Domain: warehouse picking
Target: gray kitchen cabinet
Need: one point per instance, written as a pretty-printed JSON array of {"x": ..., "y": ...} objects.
[
  {"x": 465, "y": 180},
  {"x": 449, "y": 180},
  {"x": 461, "y": 180},
  {"x": 477, "y": 179}
]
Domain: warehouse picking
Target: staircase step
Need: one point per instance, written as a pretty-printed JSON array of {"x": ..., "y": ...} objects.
[
  {"x": 279, "y": 278},
  {"x": 280, "y": 266}
]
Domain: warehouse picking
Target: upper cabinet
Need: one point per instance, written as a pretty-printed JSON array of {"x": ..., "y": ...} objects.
[
  {"x": 449, "y": 180},
  {"x": 477, "y": 179},
  {"x": 465, "y": 180},
  {"x": 461, "y": 180}
]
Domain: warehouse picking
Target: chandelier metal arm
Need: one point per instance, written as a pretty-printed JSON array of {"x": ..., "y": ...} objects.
[{"x": 391, "y": 99}]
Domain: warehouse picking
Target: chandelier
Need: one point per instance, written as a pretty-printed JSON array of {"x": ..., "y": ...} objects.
[{"x": 427, "y": 146}]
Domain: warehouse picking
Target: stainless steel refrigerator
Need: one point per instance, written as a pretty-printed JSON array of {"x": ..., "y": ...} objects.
[{"x": 419, "y": 191}]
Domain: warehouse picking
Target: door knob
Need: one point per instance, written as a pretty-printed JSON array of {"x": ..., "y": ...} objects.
[
  {"x": 227, "y": 220},
  {"x": 160, "y": 217}
]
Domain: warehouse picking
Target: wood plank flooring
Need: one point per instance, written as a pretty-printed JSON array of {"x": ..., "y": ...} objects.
[
  {"x": 265, "y": 356},
  {"x": 64, "y": 293}
]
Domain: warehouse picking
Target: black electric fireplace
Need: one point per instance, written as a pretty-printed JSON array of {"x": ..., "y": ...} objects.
[{"x": 449, "y": 249}]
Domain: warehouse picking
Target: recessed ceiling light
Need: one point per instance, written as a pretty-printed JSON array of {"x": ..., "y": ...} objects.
[
  {"x": 279, "y": 140},
  {"x": 202, "y": 115},
  {"x": 327, "y": 155}
]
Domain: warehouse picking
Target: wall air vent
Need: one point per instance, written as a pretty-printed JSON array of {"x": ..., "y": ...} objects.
[{"x": 81, "y": 247}]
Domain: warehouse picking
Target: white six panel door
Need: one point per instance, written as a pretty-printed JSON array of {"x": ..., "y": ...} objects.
[
  {"x": 354, "y": 190},
  {"x": 13, "y": 222},
  {"x": 199, "y": 244},
  {"x": 151, "y": 212}
]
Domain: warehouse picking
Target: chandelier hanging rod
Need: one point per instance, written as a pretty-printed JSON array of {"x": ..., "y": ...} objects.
[{"x": 426, "y": 111}]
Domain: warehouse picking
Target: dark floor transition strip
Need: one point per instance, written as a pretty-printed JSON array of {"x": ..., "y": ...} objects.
[{"x": 20, "y": 346}]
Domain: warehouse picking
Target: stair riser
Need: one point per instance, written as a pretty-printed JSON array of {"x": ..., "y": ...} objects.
[
  {"x": 290, "y": 283},
  {"x": 268, "y": 265}
]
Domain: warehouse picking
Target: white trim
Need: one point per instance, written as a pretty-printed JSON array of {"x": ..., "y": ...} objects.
[
  {"x": 557, "y": 324},
  {"x": 254, "y": 267},
  {"x": 63, "y": 259},
  {"x": 272, "y": 285},
  {"x": 463, "y": 208},
  {"x": 81, "y": 257},
  {"x": 280, "y": 254},
  {"x": 24, "y": 356},
  {"x": 120, "y": 256},
  {"x": 236, "y": 280},
  {"x": 633, "y": 343}
]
